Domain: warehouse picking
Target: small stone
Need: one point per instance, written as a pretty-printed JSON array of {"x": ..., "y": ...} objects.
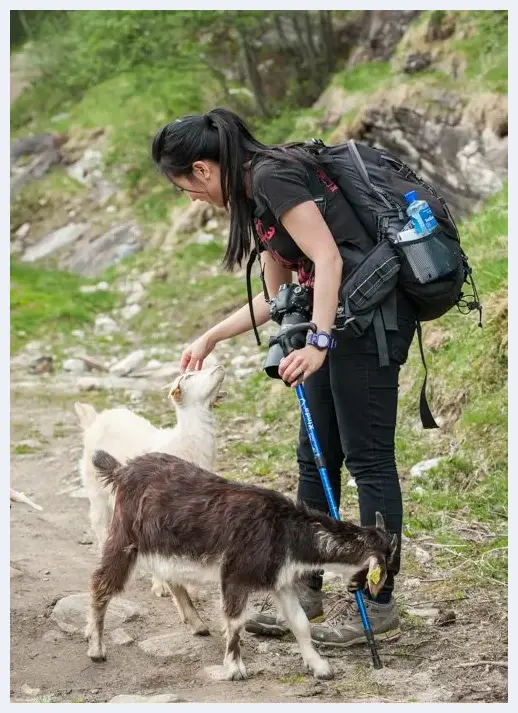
[
  {"x": 445, "y": 617},
  {"x": 423, "y": 612},
  {"x": 167, "y": 646},
  {"x": 121, "y": 637},
  {"x": 70, "y": 612},
  {"x": 52, "y": 636},
  {"x": 129, "y": 363},
  {"x": 105, "y": 325},
  {"x": 138, "y": 698},
  {"x": 85, "y": 540},
  {"x": 23, "y": 230},
  {"x": 424, "y": 466},
  {"x": 78, "y": 333},
  {"x": 28, "y": 691},
  {"x": 90, "y": 383},
  {"x": 76, "y": 366},
  {"x": 153, "y": 364},
  {"x": 130, "y": 311}
]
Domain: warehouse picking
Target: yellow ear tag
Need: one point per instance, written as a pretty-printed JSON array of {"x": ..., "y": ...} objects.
[{"x": 374, "y": 575}]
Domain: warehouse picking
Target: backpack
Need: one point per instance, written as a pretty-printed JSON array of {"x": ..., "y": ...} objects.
[{"x": 430, "y": 271}]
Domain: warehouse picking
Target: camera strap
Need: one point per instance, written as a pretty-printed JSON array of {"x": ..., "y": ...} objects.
[{"x": 255, "y": 254}]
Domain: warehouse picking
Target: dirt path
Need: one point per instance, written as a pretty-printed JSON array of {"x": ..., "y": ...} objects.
[{"x": 46, "y": 549}]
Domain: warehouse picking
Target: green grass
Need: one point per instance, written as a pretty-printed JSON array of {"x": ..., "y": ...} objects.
[
  {"x": 44, "y": 302},
  {"x": 364, "y": 78},
  {"x": 486, "y": 49}
]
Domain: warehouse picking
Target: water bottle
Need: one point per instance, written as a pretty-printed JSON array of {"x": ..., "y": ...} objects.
[{"x": 420, "y": 214}]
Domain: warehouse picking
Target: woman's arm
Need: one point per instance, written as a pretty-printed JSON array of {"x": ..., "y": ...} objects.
[
  {"x": 240, "y": 321},
  {"x": 309, "y": 230}
]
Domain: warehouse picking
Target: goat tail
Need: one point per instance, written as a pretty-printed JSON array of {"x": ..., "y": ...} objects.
[
  {"x": 107, "y": 467},
  {"x": 86, "y": 414}
]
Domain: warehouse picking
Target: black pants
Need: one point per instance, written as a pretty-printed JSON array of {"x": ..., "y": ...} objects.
[{"x": 353, "y": 403}]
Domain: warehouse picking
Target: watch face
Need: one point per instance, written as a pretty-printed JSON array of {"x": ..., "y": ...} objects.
[{"x": 322, "y": 341}]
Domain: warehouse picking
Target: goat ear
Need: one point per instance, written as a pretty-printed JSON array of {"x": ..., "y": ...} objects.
[
  {"x": 375, "y": 578},
  {"x": 380, "y": 523},
  {"x": 175, "y": 389}
]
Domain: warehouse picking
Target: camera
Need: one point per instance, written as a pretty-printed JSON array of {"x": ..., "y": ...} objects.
[{"x": 291, "y": 307}]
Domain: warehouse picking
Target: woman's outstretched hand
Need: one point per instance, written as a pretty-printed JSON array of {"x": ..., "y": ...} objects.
[
  {"x": 193, "y": 357},
  {"x": 301, "y": 363}
]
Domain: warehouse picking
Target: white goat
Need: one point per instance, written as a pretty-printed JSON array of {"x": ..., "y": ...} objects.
[{"x": 126, "y": 435}]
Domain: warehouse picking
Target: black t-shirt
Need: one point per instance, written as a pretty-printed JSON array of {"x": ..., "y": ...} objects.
[{"x": 280, "y": 185}]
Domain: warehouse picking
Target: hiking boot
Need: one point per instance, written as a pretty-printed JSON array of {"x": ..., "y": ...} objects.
[
  {"x": 343, "y": 626},
  {"x": 268, "y": 622}
]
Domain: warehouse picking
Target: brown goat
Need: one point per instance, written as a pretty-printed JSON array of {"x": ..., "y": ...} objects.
[{"x": 189, "y": 524}]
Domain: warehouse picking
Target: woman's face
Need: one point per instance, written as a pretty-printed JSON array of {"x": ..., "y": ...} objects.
[{"x": 203, "y": 184}]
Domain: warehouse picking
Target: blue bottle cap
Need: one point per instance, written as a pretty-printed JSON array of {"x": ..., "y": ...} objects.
[{"x": 411, "y": 196}]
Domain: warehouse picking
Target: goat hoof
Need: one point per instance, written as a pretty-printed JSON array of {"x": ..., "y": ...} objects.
[
  {"x": 97, "y": 655},
  {"x": 323, "y": 673}
]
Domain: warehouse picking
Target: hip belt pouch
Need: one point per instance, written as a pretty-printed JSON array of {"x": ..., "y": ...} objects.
[{"x": 370, "y": 283}]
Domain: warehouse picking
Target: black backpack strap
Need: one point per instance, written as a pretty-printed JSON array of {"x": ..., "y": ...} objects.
[
  {"x": 427, "y": 419},
  {"x": 389, "y": 312},
  {"x": 255, "y": 254},
  {"x": 381, "y": 338},
  {"x": 249, "y": 266}
]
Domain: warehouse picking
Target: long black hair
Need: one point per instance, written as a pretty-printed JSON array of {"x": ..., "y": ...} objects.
[{"x": 223, "y": 137}]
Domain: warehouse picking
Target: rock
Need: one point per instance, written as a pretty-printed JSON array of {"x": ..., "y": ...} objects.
[
  {"x": 169, "y": 646},
  {"x": 83, "y": 169},
  {"x": 90, "y": 383},
  {"x": 23, "y": 230},
  {"x": 105, "y": 325},
  {"x": 92, "y": 363},
  {"x": 110, "y": 248},
  {"x": 99, "y": 287},
  {"x": 42, "y": 365},
  {"x": 456, "y": 141},
  {"x": 130, "y": 311},
  {"x": 138, "y": 698},
  {"x": 78, "y": 333},
  {"x": 129, "y": 363},
  {"x": 421, "y": 468},
  {"x": 85, "y": 540},
  {"x": 136, "y": 295},
  {"x": 153, "y": 364},
  {"x": 76, "y": 366},
  {"x": 379, "y": 33},
  {"x": 28, "y": 691},
  {"x": 45, "y": 150},
  {"x": 417, "y": 62},
  {"x": 445, "y": 617},
  {"x": 70, "y": 612},
  {"x": 53, "y": 636},
  {"x": 55, "y": 241},
  {"x": 423, "y": 612},
  {"x": 121, "y": 637}
]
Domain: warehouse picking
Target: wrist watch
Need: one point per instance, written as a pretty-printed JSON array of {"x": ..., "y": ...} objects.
[{"x": 321, "y": 340}]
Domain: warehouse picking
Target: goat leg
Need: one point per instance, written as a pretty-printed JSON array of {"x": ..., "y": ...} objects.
[
  {"x": 234, "y": 615},
  {"x": 187, "y": 610},
  {"x": 288, "y": 603}
]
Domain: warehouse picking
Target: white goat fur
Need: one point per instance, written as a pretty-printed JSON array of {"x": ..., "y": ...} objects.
[{"x": 124, "y": 435}]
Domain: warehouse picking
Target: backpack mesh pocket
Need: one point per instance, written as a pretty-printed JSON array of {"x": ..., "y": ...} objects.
[{"x": 429, "y": 258}]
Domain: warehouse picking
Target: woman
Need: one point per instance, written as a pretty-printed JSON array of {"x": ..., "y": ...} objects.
[{"x": 353, "y": 401}]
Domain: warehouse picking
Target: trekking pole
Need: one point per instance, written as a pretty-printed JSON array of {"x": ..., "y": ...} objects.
[{"x": 283, "y": 339}]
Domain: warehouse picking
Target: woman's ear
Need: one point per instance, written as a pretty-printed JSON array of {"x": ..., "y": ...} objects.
[{"x": 201, "y": 170}]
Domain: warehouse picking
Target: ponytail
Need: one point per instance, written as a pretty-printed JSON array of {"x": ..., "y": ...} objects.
[{"x": 223, "y": 137}]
